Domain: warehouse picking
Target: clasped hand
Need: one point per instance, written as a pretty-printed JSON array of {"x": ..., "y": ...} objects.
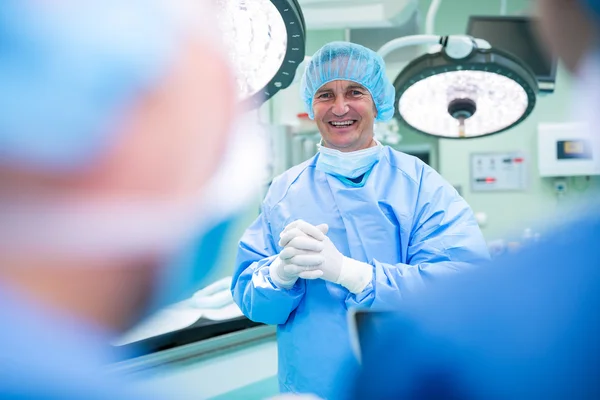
[{"x": 307, "y": 253}]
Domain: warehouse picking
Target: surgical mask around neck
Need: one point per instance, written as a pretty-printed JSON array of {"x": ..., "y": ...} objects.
[{"x": 350, "y": 164}]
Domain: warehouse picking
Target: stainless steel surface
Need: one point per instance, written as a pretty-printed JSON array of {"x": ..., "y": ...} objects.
[{"x": 196, "y": 352}]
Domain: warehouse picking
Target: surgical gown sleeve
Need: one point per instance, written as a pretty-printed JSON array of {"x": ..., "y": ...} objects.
[
  {"x": 444, "y": 237},
  {"x": 253, "y": 290}
]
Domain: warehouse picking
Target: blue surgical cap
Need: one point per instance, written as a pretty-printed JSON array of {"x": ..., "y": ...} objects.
[
  {"x": 350, "y": 62},
  {"x": 68, "y": 70}
]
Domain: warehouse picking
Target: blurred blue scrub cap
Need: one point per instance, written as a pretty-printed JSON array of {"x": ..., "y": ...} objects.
[
  {"x": 69, "y": 70},
  {"x": 350, "y": 62}
]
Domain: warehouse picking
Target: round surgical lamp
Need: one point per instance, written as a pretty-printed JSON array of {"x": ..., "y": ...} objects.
[
  {"x": 266, "y": 40},
  {"x": 462, "y": 89}
]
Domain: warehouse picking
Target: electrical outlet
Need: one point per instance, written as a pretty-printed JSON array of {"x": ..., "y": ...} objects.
[{"x": 560, "y": 186}]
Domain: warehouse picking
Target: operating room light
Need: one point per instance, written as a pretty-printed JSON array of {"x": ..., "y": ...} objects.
[
  {"x": 486, "y": 102},
  {"x": 463, "y": 89},
  {"x": 266, "y": 43}
]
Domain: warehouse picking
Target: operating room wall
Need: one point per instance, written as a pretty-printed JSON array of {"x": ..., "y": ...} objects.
[{"x": 509, "y": 213}]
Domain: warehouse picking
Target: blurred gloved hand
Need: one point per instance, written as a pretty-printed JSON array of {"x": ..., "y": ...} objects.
[{"x": 301, "y": 255}]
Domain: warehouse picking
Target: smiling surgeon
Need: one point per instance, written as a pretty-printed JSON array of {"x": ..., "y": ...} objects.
[{"x": 357, "y": 225}]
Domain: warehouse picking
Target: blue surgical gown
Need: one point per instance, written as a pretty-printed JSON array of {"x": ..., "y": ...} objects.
[
  {"x": 525, "y": 327},
  {"x": 49, "y": 355},
  {"x": 406, "y": 221}
]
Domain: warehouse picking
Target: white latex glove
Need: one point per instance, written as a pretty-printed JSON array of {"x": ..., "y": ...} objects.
[
  {"x": 301, "y": 255},
  {"x": 302, "y": 228},
  {"x": 352, "y": 274}
]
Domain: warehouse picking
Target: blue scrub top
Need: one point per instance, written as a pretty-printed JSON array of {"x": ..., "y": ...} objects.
[
  {"x": 48, "y": 355},
  {"x": 526, "y": 327},
  {"x": 406, "y": 221}
]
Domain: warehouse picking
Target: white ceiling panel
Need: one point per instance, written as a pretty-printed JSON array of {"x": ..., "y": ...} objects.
[{"x": 342, "y": 14}]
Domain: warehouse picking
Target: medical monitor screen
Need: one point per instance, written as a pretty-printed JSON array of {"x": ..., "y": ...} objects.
[
  {"x": 573, "y": 149},
  {"x": 517, "y": 36}
]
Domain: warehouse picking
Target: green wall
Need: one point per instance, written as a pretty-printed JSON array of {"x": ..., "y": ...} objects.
[
  {"x": 315, "y": 39},
  {"x": 508, "y": 213}
]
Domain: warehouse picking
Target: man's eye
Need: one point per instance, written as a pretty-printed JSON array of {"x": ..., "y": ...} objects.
[
  {"x": 357, "y": 93},
  {"x": 324, "y": 95}
]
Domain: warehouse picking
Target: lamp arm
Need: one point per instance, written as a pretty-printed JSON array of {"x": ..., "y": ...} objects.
[{"x": 406, "y": 41}]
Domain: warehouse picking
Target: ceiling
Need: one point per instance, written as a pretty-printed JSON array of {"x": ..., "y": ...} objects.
[{"x": 342, "y": 14}]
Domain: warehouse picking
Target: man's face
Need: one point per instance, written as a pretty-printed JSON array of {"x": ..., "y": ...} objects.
[
  {"x": 566, "y": 29},
  {"x": 345, "y": 113}
]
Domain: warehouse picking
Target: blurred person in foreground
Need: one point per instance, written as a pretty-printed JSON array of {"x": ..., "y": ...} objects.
[
  {"x": 528, "y": 327},
  {"x": 114, "y": 123}
]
